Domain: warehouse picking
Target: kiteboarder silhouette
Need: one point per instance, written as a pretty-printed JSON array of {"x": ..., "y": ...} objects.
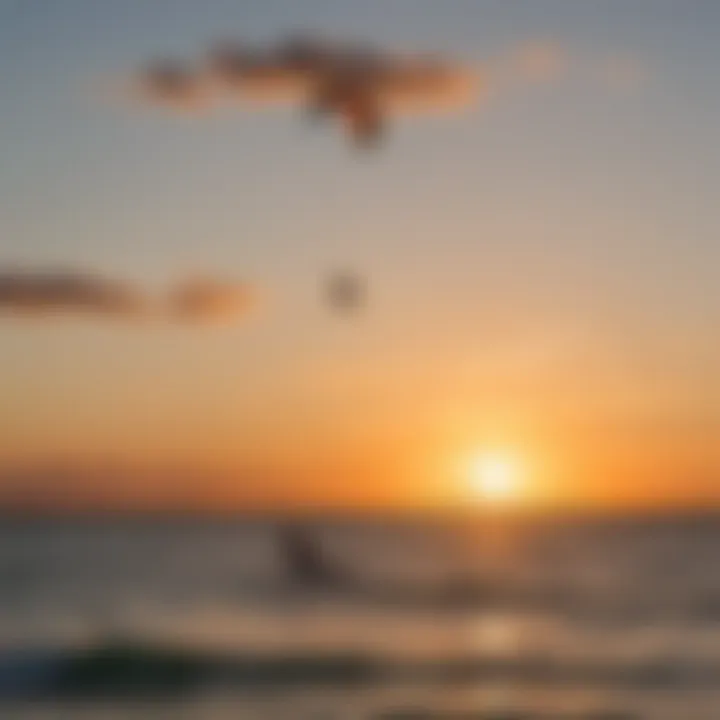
[{"x": 305, "y": 561}]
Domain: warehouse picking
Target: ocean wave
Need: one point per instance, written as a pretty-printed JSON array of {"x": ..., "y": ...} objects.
[
  {"x": 621, "y": 609},
  {"x": 127, "y": 669},
  {"x": 427, "y": 714}
]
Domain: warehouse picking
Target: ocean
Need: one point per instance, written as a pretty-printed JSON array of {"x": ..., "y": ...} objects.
[{"x": 492, "y": 618}]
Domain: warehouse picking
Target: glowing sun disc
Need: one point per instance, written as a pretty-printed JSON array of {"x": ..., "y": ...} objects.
[{"x": 495, "y": 478}]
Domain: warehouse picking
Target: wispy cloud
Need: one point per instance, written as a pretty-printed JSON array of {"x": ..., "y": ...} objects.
[
  {"x": 209, "y": 300},
  {"x": 363, "y": 87},
  {"x": 61, "y": 292},
  {"x": 56, "y": 294},
  {"x": 294, "y": 70},
  {"x": 359, "y": 86}
]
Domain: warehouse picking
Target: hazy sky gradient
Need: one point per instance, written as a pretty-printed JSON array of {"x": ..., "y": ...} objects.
[{"x": 544, "y": 271}]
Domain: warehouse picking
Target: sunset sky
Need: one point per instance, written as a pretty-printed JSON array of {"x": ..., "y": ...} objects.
[{"x": 543, "y": 270}]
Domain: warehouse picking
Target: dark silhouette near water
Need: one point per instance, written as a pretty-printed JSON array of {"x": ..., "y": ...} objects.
[
  {"x": 308, "y": 567},
  {"x": 306, "y": 563}
]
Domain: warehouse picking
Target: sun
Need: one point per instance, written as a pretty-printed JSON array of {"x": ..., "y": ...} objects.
[{"x": 496, "y": 477}]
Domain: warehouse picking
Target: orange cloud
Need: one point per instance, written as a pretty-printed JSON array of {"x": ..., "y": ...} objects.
[
  {"x": 295, "y": 69},
  {"x": 68, "y": 292},
  {"x": 207, "y": 300},
  {"x": 360, "y": 87},
  {"x": 55, "y": 294}
]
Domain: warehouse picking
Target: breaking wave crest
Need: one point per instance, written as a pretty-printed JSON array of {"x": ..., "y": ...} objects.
[{"x": 120, "y": 668}]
